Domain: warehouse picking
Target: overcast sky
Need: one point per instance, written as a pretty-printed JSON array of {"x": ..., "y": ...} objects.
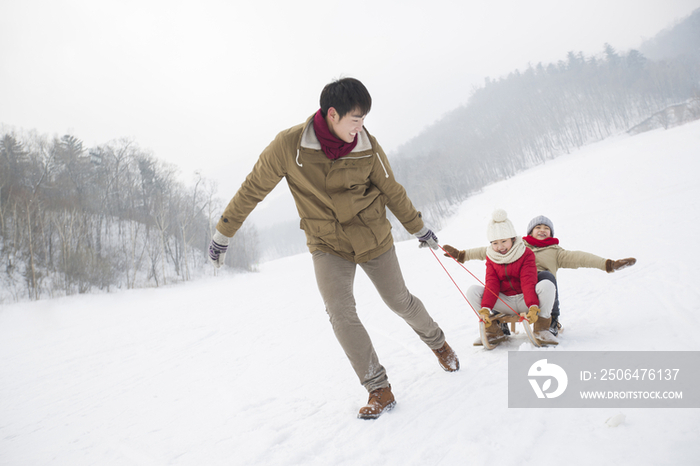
[{"x": 207, "y": 84}]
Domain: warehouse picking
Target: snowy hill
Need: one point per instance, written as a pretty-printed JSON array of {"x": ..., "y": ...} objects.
[{"x": 245, "y": 370}]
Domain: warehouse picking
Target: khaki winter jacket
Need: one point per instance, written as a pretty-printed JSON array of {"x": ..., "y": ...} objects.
[
  {"x": 551, "y": 258},
  {"x": 342, "y": 203}
]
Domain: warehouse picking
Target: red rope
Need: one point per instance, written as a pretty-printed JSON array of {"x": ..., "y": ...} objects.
[
  {"x": 453, "y": 281},
  {"x": 476, "y": 278}
]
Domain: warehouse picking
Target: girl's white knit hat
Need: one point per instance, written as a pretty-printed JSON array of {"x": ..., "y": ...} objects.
[{"x": 500, "y": 227}]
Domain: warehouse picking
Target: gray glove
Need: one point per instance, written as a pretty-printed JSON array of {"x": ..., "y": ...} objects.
[
  {"x": 217, "y": 249},
  {"x": 427, "y": 238}
]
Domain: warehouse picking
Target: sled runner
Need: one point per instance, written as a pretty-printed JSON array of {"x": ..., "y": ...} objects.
[
  {"x": 560, "y": 330},
  {"x": 506, "y": 318}
]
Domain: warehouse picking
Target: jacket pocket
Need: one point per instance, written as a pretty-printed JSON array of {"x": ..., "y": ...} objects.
[
  {"x": 319, "y": 231},
  {"x": 374, "y": 217},
  {"x": 350, "y": 174}
]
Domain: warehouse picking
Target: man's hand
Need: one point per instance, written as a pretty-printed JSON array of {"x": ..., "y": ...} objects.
[
  {"x": 217, "y": 249},
  {"x": 427, "y": 238}
]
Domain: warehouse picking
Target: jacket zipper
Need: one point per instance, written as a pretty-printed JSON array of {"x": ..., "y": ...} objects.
[{"x": 505, "y": 270}]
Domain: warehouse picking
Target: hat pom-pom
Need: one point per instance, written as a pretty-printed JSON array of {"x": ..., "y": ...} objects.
[{"x": 499, "y": 215}]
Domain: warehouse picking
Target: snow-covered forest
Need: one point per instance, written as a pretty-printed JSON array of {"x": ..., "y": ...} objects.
[
  {"x": 75, "y": 219},
  {"x": 531, "y": 116}
]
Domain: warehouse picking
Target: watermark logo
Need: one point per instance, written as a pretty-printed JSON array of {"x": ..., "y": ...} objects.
[
  {"x": 542, "y": 369},
  {"x": 603, "y": 379}
]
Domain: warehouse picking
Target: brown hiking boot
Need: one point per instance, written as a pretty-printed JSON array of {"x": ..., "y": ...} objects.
[
  {"x": 447, "y": 358},
  {"x": 380, "y": 400},
  {"x": 494, "y": 333},
  {"x": 542, "y": 334}
]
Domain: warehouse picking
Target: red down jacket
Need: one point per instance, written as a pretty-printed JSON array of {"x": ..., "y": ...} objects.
[{"x": 511, "y": 279}]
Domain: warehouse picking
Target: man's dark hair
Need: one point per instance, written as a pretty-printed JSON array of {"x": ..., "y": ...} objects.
[{"x": 345, "y": 95}]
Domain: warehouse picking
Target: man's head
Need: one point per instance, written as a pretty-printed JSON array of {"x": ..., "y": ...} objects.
[
  {"x": 345, "y": 95},
  {"x": 344, "y": 105}
]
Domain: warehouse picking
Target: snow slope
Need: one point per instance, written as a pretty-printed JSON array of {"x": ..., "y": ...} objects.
[{"x": 245, "y": 370}]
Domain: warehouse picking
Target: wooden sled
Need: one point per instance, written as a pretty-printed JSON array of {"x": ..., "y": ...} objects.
[{"x": 512, "y": 320}]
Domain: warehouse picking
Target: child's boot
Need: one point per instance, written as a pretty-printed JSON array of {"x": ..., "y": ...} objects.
[
  {"x": 494, "y": 333},
  {"x": 555, "y": 327},
  {"x": 542, "y": 334}
]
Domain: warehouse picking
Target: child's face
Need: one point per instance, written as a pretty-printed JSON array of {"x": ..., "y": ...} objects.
[
  {"x": 502, "y": 246},
  {"x": 541, "y": 232}
]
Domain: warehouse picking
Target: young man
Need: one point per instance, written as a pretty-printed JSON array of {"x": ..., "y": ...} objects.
[{"x": 342, "y": 184}]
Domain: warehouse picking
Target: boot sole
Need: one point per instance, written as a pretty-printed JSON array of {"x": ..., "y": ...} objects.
[
  {"x": 449, "y": 369},
  {"x": 546, "y": 341},
  {"x": 367, "y": 417}
]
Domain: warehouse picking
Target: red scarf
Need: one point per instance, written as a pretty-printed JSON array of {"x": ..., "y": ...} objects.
[
  {"x": 540, "y": 243},
  {"x": 333, "y": 147}
]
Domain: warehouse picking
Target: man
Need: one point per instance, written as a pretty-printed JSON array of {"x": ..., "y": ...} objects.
[{"x": 342, "y": 183}]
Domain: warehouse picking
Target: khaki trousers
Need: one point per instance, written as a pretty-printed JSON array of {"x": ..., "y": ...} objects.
[
  {"x": 335, "y": 277},
  {"x": 546, "y": 292}
]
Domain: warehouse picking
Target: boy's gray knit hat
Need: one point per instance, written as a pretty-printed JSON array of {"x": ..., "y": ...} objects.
[{"x": 540, "y": 220}]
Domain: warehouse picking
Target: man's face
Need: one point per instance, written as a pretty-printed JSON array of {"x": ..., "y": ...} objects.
[{"x": 345, "y": 128}]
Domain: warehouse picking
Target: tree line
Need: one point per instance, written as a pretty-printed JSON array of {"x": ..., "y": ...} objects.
[
  {"x": 523, "y": 119},
  {"x": 74, "y": 219}
]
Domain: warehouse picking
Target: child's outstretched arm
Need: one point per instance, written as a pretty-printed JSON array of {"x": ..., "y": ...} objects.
[{"x": 575, "y": 259}]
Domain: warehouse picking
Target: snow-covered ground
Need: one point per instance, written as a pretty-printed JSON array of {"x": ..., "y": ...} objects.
[{"x": 245, "y": 370}]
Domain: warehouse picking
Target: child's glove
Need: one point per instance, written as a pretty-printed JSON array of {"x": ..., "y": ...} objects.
[
  {"x": 217, "y": 249},
  {"x": 485, "y": 314},
  {"x": 611, "y": 265},
  {"x": 454, "y": 252},
  {"x": 532, "y": 314},
  {"x": 426, "y": 237}
]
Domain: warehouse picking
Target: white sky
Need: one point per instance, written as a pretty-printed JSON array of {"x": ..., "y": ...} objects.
[{"x": 207, "y": 84}]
